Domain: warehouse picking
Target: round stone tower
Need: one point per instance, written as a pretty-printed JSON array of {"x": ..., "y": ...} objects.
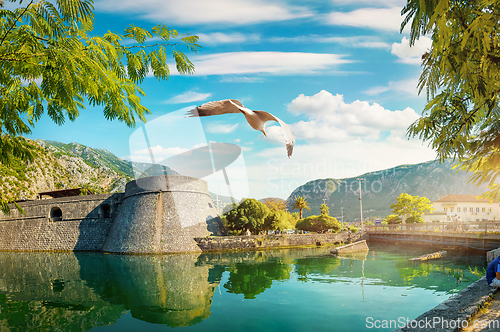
[{"x": 163, "y": 214}]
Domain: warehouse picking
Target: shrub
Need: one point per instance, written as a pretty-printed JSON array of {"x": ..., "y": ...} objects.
[
  {"x": 412, "y": 220},
  {"x": 392, "y": 219},
  {"x": 319, "y": 224}
]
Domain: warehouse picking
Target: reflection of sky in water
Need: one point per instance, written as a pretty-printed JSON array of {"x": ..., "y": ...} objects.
[{"x": 276, "y": 290}]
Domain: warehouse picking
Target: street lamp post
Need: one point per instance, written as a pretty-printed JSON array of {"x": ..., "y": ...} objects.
[{"x": 361, "y": 204}]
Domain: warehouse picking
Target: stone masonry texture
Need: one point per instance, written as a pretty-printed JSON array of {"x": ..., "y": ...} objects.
[{"x": 160, "y": 214}]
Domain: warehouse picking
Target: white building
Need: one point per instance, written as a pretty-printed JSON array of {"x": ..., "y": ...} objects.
[{"x": 465, "y": 207}]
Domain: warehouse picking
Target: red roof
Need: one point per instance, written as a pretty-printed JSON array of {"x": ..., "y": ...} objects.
[{"x": 463, "y": 198}]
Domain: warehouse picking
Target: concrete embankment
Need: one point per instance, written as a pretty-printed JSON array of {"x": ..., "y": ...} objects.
[
  {"x": 255, "y": 242},
  {"x": 350, "y": 248},
  {"x": 453, "y": 314}
]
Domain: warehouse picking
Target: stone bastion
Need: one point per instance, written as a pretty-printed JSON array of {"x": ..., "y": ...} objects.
[{"x": 159, "y": 214}]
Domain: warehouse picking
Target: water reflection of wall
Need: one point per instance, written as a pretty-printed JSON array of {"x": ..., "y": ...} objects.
[
  {"x": 166, "y": 289},
  {"x": 42, "y": 291},
  {"x": 78, "y": 291}
]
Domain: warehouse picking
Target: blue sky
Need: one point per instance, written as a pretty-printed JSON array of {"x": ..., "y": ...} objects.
[{"x": 338, "y": 72}]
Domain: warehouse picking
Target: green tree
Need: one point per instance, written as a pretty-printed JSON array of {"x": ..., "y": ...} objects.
[
  {"x": 279, "y": 221},
  {"x": 300, "y": 204},
  {"x": 275, "y": 204},
  {"x": 460, "y": 76},
  {"x": 51, "y": 63},
  {"x": 249, "y": 215},
  {"x": 409, "y": 206},
  {"x": 324, "y": 209},
  {"x": 319, "y": 224}
]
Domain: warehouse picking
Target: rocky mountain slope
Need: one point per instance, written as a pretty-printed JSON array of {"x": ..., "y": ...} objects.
[
  {"x": 380, "y": 189},
  {"x": 63, "y": 166}
]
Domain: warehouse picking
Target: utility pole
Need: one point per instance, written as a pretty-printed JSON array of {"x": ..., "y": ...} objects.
[
  {"x": 342, "y": 212},
  {"x": 361, "y": 204}
]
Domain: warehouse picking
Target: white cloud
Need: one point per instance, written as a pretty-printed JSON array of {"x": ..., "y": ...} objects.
[
  {"x": 360, "y": 41},
  {"x": 279, "y": 63},
  {"x": 278, "y": 176},
  {"x": 343, "y": 140},
  {"x": 224, "y": 38},
  {"x": 187, "y": 97},
  {"x": 407, "y": 86},
  {"x": 384, "y": 3},
  {"x": 331, "y": 119},
  {"x": 191, "y": 12},
  {"x": 218, "y": 128},
  {"x": 411, "y": 55},
  {"x": 356, "y": 41},
  {"x": 240, "y": 79},
  {"x": 386, "y": 19}
]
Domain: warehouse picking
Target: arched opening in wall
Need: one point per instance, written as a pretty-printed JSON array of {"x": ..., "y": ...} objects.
[
  {"x": 104, "y": 211},
  {"x": 55, "y": 214}
]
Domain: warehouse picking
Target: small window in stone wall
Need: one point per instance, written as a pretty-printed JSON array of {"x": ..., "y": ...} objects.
[
  {"x": 56, "y": 214},
  {"x": 104, "y": 211},
  {"x": 210, "y": 205}
]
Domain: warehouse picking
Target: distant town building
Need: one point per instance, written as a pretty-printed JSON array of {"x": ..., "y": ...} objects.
[{"x": 463, "y": 207}]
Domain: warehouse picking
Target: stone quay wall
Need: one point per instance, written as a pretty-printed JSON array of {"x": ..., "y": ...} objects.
[{"x": 255, "y": 242}]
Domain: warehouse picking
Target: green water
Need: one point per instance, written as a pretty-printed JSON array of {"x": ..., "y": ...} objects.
[{"x": 279, "y": 290}]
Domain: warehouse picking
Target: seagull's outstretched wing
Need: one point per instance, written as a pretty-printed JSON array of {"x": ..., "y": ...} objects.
[
  {"x": 266, "y": 116},
  {"x": 256, "y": 119},
  {"x": 216, "y": 108}
]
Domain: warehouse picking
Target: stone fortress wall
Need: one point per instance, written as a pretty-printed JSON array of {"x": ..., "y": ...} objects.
[
  {"x": 160, "y": 214},
  {"x": 68, "y": 223}
]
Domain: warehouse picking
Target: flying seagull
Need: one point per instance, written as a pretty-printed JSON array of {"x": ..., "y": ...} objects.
[{"x": 256, "y": 119}]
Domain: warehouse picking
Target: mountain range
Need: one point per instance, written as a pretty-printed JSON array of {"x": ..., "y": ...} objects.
[
  {"x": 380, "y": 189},
  {"x": 62, "y": 166}
]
